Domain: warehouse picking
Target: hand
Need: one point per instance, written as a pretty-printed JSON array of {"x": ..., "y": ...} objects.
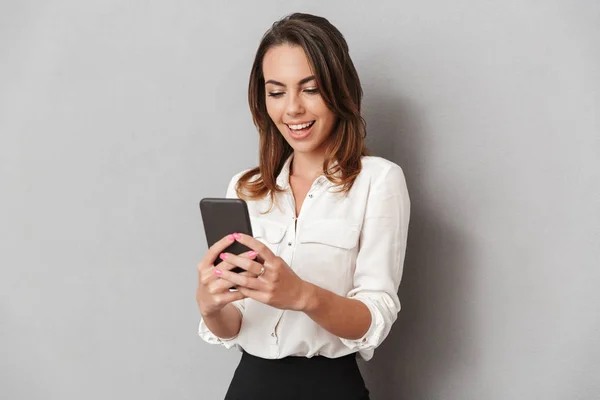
[
  {"x": 278, "y": 286},
  {"x": 213, "y": 293}
]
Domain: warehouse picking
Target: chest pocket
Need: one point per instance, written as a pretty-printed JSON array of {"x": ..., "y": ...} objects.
[
  {"x": 269, "y": 233},
  {"x": 331, "y": 232},
  {"x": 327, "y": 250}
]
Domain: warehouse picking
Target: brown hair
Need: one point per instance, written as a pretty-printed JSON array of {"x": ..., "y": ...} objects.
[{"x": 339, "y": 86}]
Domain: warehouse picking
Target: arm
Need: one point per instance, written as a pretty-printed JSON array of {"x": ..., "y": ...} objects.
[
  {"x": 365, "y": 316},
  {"x": 224, "y": 323},
  {"x": 344, "y": 317},
  {"x": 223, "y": 326}
]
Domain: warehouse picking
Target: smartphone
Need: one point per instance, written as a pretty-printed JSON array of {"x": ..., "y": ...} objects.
[{"x": 222, "y": 217}]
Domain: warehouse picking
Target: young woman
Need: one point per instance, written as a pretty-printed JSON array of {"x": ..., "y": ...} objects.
[{"x": 330, "y": 227}]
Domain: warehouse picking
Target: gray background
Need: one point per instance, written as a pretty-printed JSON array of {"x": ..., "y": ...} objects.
[{"x": 117, "y": 117}]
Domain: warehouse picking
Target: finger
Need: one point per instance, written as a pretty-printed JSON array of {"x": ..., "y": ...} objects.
[
  {"x": 245, "y": 262},
  {"x": 219, "y": 286},
  {"x": 207, "y": 276},
  {"x": 254, "y": 294},
  {"x": 228, "y": 297},
  {"x": 240, "y": 280},
  {"x": 263, "y": 251},
  {"x": 253, "y": 255},
  {"x": 213, "y": 251},
  {"x": 248, "y": 254}
]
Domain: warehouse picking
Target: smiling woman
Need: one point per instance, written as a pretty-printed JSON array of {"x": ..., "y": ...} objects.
[
  {"x": 320, "y": 284},
  {"x": 295, "y": 106},
  {"x": 303, "y": 73}
]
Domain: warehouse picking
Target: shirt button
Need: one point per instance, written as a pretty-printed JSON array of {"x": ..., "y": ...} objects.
[
  {"x": 273, "y": 334},
  {"x": 364, "y": 340},
  {"x": 289, "y": 243},
  {"x": 310, "y": 195}
]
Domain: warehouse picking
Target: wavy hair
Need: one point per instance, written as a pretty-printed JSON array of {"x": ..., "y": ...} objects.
[{"x": 339, "y": 86}]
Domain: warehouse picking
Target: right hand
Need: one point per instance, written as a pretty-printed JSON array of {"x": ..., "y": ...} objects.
[{"x": 213, "y": 292}]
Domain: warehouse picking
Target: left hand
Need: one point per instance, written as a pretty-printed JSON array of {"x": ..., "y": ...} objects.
[{"x": 278, "y": 286}]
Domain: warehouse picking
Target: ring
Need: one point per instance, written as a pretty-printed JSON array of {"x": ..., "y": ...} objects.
[{"x": 262, "y": 271}]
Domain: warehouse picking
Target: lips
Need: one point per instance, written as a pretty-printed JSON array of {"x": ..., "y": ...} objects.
[
  {"x": 300, "y": 125},
  {"x": 299, "y": 134}
]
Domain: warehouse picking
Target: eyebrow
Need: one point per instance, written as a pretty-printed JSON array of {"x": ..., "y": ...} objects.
[{"x": 301, "y": 82}]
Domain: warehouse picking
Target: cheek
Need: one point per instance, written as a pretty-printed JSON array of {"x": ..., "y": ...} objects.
[
  {"x": 328, "y": 118},
  {"x": 274, "y": 111},
  {"x": 321, "y": 109},
  {"x": 269, "y": 107}
]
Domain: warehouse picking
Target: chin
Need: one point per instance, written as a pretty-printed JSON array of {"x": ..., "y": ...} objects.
[{"x": 307, "y": 148}]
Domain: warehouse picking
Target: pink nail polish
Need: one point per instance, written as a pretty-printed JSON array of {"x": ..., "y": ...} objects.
[
  {"x": 237, "y": 235},
  {"x": 222, "y": 256},
  {"x": 231, "y": 237},
  {"x": 218, "y": 272},
  {"x": 252, "y": 254}
]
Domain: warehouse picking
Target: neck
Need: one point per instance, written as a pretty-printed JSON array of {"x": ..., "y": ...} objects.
[{"x": 307, "y": 166}]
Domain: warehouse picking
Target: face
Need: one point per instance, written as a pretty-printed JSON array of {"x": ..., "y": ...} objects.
[{"x": 293, "y": 100}]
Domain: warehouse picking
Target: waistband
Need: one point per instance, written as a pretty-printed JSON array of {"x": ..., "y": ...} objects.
[{"x": 299, "y": 360}]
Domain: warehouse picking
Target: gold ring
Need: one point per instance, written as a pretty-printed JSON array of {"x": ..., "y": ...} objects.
[{"x": 262, "y": 271}]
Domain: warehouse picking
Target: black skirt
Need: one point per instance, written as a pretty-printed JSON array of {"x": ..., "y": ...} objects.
[{"x": 293, "y": 378}]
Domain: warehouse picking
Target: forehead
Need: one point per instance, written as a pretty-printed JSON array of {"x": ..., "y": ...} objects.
[{"x": 286, "y": 64}]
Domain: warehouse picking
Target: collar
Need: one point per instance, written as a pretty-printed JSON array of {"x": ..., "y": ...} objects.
[{"x": 283, "y": 179}]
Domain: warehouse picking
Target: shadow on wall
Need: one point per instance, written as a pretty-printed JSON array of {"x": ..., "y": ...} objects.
[{"x": 427, "y": 342}]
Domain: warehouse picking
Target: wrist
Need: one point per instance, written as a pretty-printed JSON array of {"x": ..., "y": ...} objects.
[
  {"x": 211, "y": 314},
  {"x": 309, "y": 297}
]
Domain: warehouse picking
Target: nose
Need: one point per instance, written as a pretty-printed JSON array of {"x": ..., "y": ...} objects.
[{"x": 294, "y": 105}]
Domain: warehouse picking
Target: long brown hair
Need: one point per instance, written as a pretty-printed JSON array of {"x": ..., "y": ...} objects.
[{"x": 339, "y": 86}]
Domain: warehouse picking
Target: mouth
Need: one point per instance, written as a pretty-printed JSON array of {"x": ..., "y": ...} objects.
[{"x": 300, "y": 131}]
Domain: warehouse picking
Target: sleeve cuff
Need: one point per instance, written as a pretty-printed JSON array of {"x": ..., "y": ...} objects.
[
  {"x": 371, "y": 339},
  {"x": 211, "y": 338},
  {"x": 208, "y": 336}
]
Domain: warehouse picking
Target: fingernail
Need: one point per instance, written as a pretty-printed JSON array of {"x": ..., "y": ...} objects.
[
  {"x": 231, "y": 237},
  {"x": 218, "y": 271},
  {"x": 222, "y": 256},
  {"x": 237, "y": 235},
  {"x": 252, "y": 254}
]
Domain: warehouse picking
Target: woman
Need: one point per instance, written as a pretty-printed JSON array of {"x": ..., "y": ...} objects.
[{"x": 330, "y": 227}]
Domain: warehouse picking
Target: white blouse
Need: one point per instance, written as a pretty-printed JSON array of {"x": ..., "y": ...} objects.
[{"x": 352, "y": 245}]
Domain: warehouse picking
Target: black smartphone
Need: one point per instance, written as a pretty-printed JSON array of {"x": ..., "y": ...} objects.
[{"x": 222, "y": 217}]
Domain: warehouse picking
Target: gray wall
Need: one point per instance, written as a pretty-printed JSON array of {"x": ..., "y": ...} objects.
[{"x": 117, "y": 117}]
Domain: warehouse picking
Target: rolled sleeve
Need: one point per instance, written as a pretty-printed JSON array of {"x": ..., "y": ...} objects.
[
  {"x": 380, "y": 259},
  {"x": 208, "y": 336}
]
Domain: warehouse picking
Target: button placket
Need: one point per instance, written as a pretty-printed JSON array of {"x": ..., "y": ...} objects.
[
  {"x": 315, "y": 187},
  {"x": 273, "y": 339},
  {"x": 291, "y": 237}
]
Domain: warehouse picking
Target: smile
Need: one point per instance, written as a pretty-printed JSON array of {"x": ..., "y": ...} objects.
[
  {"x": 300, "y": 131},
  {"x": 300, "y": 127}
]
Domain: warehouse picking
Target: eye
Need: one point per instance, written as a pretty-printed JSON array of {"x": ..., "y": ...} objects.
[
  {"x": 312, "y": 91},
  {"x": 275, "y": 94}
]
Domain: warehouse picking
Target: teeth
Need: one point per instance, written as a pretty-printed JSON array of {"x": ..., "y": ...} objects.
[{"x": 301, "y": 126}]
